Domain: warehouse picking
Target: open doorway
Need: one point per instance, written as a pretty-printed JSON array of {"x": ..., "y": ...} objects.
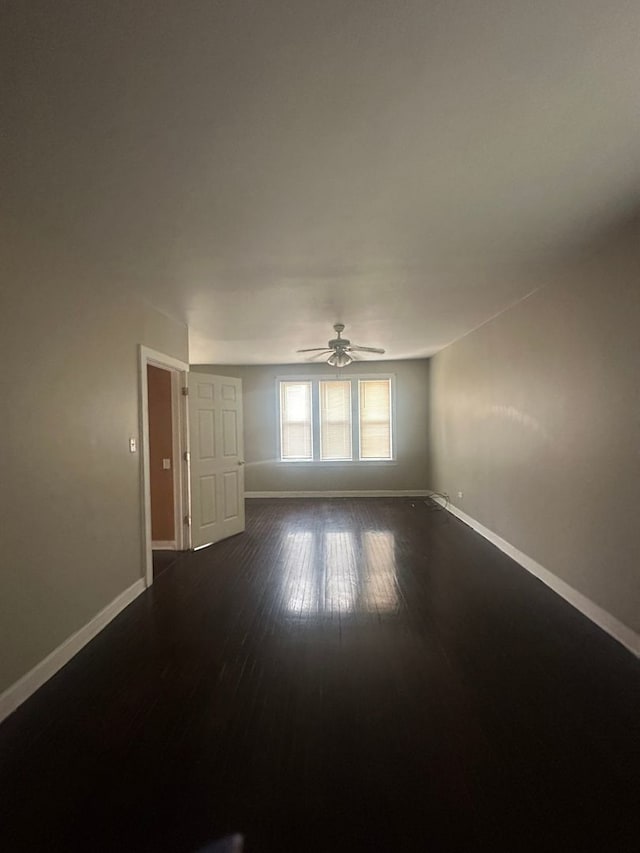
[
  {"x": 165, "y": 470},
  {"x": 164, "y": 524}
]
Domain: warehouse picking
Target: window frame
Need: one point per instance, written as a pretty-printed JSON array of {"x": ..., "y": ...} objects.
[{"x": 355, "y": 461}]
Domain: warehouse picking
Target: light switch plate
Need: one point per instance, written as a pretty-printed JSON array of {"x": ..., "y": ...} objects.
[{"x": 166, "y": 464}]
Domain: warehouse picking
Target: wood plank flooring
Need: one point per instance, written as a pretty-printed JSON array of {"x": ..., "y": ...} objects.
[
  {"x": 162, "y": 560},
  {"x": 348, "y": 675}
]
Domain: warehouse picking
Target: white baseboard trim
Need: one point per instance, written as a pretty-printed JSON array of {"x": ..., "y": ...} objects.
[
  {"x": 371, "y": 493},
  {"x": 26, "y": 686},
  {"x": 163, "y": 546},
  {"x": 618, "y": 630}
]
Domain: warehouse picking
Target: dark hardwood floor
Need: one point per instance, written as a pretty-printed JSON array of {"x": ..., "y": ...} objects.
[
  {"x": 162, "y": 560},
  {"x": 350, "y": 675}
]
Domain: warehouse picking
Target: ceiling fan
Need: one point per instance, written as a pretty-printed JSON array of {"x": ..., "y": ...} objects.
[{"x": 341, "y": 350}]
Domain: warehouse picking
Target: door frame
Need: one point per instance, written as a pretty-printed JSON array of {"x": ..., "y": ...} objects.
[{"x": 178, "y": 370}]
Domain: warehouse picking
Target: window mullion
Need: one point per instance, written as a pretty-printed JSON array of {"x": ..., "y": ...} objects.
[
  {"x": 315, "y": 418},
  {"x": 355, "y": 420}
]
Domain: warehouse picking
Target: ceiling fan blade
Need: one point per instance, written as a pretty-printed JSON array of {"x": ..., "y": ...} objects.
[
  {"x": 368, "y": 349},
  {"x": 315, "y": 349},
  {"x": 318, "y": 354}
]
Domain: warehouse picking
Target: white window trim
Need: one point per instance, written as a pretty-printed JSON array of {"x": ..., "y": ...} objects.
[{"x": 355, "y": 461}]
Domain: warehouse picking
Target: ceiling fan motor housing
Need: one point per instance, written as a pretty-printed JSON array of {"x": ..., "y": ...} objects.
[{"x": 339, "y": 343}]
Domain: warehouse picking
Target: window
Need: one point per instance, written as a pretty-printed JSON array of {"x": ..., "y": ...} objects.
[
  {"x": 296, "y": 435},
  {"x": 336, "y": 420},
  {"x": 375, "y": 418}
]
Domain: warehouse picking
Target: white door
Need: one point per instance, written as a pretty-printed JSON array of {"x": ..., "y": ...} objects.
[{"x": 216, "y": 447}]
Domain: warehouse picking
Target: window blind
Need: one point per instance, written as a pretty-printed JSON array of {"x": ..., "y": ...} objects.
[
  {"x": 295, "y": 420},
  {"x": 375, "y": 418},
  {"x": 335, "y": 419}
]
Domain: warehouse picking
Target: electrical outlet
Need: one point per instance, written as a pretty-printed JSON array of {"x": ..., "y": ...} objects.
[
  {"x": 133, "y": 445},
  {"x": 460, "y": 495}
]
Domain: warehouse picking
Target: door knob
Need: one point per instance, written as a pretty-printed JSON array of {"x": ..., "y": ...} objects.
[{"x": 240, "y": 461}]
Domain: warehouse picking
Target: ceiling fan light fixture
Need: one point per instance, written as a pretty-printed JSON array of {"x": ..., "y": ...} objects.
[{"x": 339, "y": 359}]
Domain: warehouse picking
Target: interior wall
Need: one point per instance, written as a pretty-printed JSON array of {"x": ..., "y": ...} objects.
[
  {"x": 70, "y": 501},
  {"x": 535, "y": 419},
  {"x": 264, "y": 472},
  {"x": 160, "y": 448}
]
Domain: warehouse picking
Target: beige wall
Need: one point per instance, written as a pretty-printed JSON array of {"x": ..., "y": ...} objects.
[
  {"x": 70, "y": 497},
  {"x": 536, "y": 419},
  {"x": 264, "y": 473}
]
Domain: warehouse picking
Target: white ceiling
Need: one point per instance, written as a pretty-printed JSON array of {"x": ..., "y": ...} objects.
[{"x": 264, "y": 168}]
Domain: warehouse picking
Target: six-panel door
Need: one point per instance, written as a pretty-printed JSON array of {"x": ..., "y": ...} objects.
[{"x": 217, "y": 473}]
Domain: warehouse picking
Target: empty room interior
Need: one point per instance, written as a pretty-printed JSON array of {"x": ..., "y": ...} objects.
[{"x": 321, "y": 436}]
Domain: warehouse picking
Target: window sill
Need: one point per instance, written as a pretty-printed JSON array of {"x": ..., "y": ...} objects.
[{"x": 336, "y": 463}]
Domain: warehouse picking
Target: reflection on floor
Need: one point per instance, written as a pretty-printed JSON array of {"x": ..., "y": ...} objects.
[
  {"x": 348, "y": 675},
  {"x": 342, "y": 571}
]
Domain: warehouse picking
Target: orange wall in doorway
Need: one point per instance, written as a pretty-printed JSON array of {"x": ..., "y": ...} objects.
[{"x": 160, "y": 447}]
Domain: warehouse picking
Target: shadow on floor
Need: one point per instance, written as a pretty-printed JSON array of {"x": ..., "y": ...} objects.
[{"x": 163, "y": 559}]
